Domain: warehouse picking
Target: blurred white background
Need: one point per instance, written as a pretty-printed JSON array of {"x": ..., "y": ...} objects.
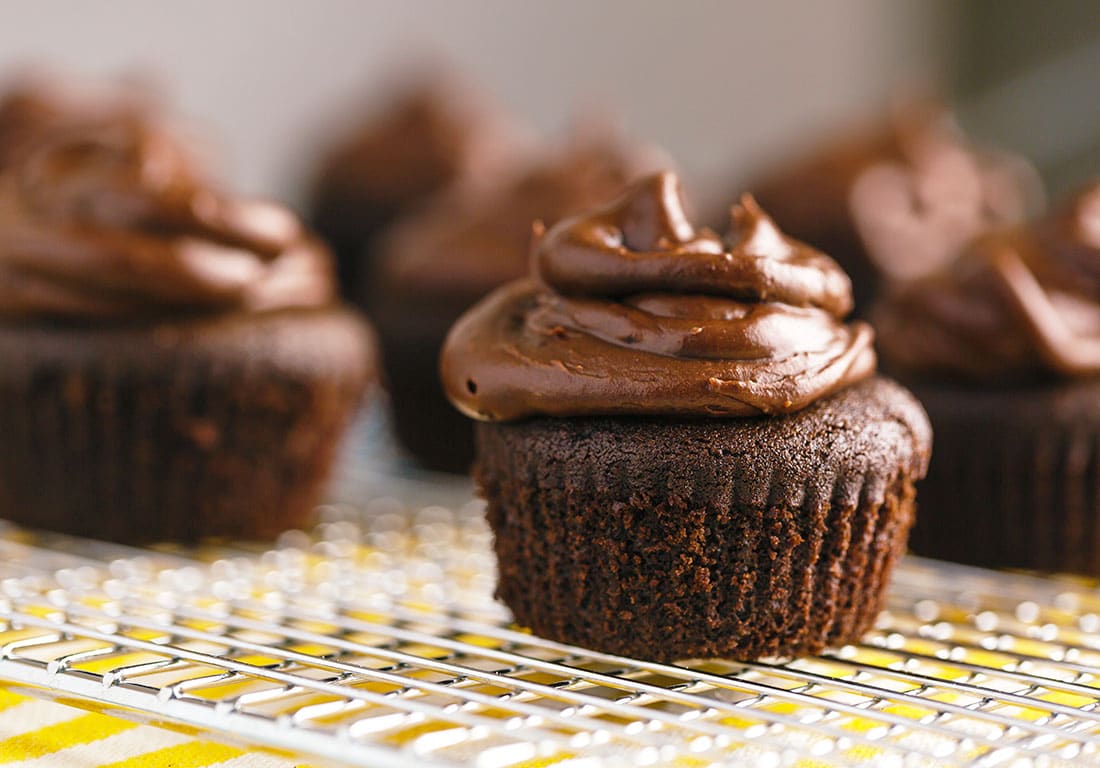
[{"x": 722, "y": 84}]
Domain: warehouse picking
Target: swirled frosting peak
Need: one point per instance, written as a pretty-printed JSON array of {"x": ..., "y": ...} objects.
[
  {"x": 1019, "y": 304},
  {"x": 916, "y": 212},
  {"x": 632, "y": 310},
  {"x": 111, "y": 220}
]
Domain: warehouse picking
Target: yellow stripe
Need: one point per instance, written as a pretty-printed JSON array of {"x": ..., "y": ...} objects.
[
  {"x": 9, "y": 699},
  {"x": 116, "y": 661},
  {"x": 54, "y": 738},
  {"x": 193, "y": 754}
]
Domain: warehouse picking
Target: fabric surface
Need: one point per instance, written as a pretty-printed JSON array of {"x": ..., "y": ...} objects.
[{"x": 42, "y": 734}]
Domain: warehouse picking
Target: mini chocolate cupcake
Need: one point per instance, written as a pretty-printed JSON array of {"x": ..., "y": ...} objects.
[
  {"x": 436, "y": 265},
  {"x": 172, "y": 364},
  {"x": 436, "y": 132},
  {"x": 684, "y": 449},
  {"x": 898, "y": 200},
  {"x": 1003, "y": 348}
]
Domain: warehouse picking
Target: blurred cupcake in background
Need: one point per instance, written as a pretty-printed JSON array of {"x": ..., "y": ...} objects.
[
  {"x": 434, "y": 130},
  {"x": 435, "y": 265},
  {"x": 898, "y": 198},
  {"x": 1003, "y": 348},
  {"x": 173, "y": 362}
]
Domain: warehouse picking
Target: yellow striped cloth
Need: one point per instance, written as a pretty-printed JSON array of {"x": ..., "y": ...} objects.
[{"x": 42, "y": 734}]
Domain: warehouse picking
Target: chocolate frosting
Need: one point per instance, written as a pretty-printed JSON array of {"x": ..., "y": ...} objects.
[
  {"x": 912, "y": 191},
  {"x": 1019, "y": 304},
  {"x": 34, "y": 106},
  {"x": 437, "y": 131},
  {"x": 631, "y": 310},
  {"x": 916, "y": 213},
  {"x": 110, "y": 219},
  {"x": 25, "y": 111},
  {"x": 471, "y": 241}
]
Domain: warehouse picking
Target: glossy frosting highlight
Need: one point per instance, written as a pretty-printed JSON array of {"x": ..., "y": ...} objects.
[
  {"x": 631, "y": 310},
  {"x": 111, "y": 220},
  {"x": 1020, "y": 304}
]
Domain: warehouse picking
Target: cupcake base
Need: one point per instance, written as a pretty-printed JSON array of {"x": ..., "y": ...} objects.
[
  {"x": 411, "y": 326},
  {"x": 1015, "y": 482},
  {"x": 424, "y": 421},
  {"x": 684, "y": 539},
  {"x": 351, "y": 233},
  {"x": 222, "y": 426}
]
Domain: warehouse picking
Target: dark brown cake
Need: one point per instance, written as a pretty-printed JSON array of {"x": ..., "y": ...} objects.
[
  {"x": 1015, "y": 482},
  {"x": 683, "y": 447},
  {"x": 434, "y": 132},
  {"x": 183, "y": 429},
  {"x": 172, "y": 365},
  {"x": 676, "y": 539},
  {"x": 437, "y": 264},
  {"x": 1003, "y": 348},
  {"x": 897, "y": 199}
]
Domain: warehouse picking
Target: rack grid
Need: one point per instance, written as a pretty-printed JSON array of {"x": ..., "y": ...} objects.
[{"x": 374, "y": 640}]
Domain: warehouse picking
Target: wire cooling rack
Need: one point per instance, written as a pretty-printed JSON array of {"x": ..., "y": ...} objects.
[{"x": 374, "y": 641}]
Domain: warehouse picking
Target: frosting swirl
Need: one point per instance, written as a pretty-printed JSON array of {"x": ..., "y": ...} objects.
[
  {"x": 109, "y": 219},
  {"x": 468, "y": 242},
  {"x": 899, "y": 197},
  {"x": 917, "y": 212},
  {"x": 631, "y": 310},
  {"x": 437, "y": 130},
  {"x": 1019, "y": 304}
]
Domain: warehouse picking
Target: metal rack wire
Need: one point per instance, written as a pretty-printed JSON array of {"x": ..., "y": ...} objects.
[{"x": 374, "y": 641}]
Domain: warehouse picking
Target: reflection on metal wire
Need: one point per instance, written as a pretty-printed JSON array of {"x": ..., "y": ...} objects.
[{"x": 374, "y": 641}]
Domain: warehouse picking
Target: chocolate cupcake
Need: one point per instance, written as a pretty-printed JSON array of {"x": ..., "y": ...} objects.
[
  {"x": 437, "y": 132},
  {"x": 172, "y": 364},
  {"x": 1003, "y": 348},
  {"x": 436, "y": 265},
  {"x": 898, "y": 200},
  {"x": 684, "y": 449}
]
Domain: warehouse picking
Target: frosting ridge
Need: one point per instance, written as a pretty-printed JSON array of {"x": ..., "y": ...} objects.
[
  {"x": 916, "y": 212},
  {"x": 899, "y": 196},
  {"x": 110, "y": 219},
  {"x": 1019, "y": 304},
  {"x": 631, "y": 310}
]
